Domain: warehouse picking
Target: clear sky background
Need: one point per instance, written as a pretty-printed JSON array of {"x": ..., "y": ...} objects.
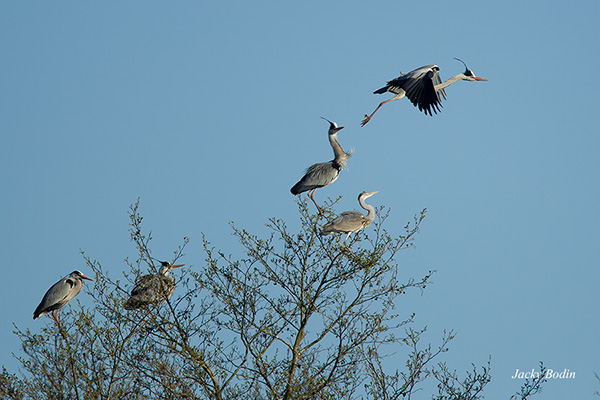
[{"x": 209, "y": 112}]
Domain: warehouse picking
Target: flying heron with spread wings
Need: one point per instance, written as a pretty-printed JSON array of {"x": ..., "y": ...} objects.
[{"x": 423, "y": 87}]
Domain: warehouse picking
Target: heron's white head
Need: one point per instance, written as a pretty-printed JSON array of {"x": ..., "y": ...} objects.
[
  {"x": 468, "y": 74},
  {"x": 78, "y": 274},
  {"x": 365, "y": 195},
  {"x": 333, "y": 127},
  {"x": 166, "y": 267}
]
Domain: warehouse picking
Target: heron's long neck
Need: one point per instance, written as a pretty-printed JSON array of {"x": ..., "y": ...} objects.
[
  {"x": 371, "y": 210},
  {"x": 340, "y": 156},
  {"x": 450, "y": 81}
]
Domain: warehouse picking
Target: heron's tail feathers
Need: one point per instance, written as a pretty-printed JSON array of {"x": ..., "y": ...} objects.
[
  {"x": 297, "y": 188},
  {"x": 327, "y": 229},
  {"x": 132, "y": 304}
]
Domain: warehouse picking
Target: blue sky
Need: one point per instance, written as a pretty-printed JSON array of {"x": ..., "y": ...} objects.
[{"x": 209, "y": 112}]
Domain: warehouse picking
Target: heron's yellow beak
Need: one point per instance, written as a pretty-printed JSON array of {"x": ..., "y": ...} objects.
[
  {"x": 178, "y": 265},
  {"x": 479, "y": 79},
  {"x": 85, "y": 277}
]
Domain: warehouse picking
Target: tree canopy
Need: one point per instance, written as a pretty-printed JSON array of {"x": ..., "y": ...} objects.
[{"x": 297, "y": 316}]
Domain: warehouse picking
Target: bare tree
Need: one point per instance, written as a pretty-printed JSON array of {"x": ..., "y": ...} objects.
[
  {"x": 533, "y": 386},
  {"x": 296, "y": 316}
]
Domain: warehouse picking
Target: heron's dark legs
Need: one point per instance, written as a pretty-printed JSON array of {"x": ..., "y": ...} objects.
[{"x": 310, "y": 194}]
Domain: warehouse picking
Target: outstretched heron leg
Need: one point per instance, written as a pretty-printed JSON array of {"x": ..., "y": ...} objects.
[
  {"x": 55, "y": 316},
  {"x": 368, "y": 117}
]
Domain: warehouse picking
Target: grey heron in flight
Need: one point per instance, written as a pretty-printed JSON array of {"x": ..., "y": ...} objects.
[
  {"x": 322, "y": 174},
  {"x": 152, "y": 288},
  {"x": 423, "y": 87},
  {"x": 351, "y": 221},
  {"x": 60, "y": 294}
]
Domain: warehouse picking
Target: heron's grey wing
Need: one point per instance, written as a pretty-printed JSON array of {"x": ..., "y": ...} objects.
[
  {"x": 141, "y": 285},
  {"x": 316, "y": 176},
  {"x": 394, "y": 86},
  {"x": 410, "y": 76},
  {"x": 148, "y": 289},
  {"x": 56, "y": 297},
  {"x": 141, "y": 292},
  {"x": 420, "y": 90},
  {"x": 348, "y": 221}
]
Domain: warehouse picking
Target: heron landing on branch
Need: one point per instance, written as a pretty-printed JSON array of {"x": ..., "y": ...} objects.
[
  {"x": 423, "y": 87},
  {"x": 325, "y": 173}
]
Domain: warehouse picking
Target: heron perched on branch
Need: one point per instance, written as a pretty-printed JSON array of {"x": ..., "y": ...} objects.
[
  {"x": 322, "y": 174},
  {"x": 423, "y": 87},
  {"x": 60, "y": 294},
  {"x": 351, "y": 221},
  {"x": 152, "y": 288}
]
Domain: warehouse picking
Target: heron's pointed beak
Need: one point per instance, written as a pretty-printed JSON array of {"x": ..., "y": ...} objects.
[
  {"x": 85, "y": 277},
  {"x": 479, "y": 79},
  {"x": 339, "y": 128},
  {"x": 372, "y": 193},
  {"x": 177, "y": 266}
]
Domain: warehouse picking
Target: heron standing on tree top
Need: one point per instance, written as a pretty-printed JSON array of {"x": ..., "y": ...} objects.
[
  {"x": 60, "y": 294},
  {"x": 351, "y": 221},
  {"x": 423, "y": 87},
  {"x": 153, "y": 288},
  {"x": 322, "y": 174}
]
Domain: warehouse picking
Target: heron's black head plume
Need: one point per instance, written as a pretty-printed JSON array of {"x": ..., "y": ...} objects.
[
  {"x": 332, "y": 125},
  {"x": 468, "y": 72},
  {"x": 79, "y": 274},
  {"x": 163, "y": 263}
]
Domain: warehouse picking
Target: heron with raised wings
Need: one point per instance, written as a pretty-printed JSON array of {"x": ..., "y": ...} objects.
[
  {"x": 351, "y": 221},
  {"x": 153, "y": 288},
  {"x": 423, "y": 87},
  {"x": 325, "y": 173},
  {"x": 60, "y": 294}
]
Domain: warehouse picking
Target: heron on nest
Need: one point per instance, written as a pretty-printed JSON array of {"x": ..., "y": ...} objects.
[{"x": 153, "y": 288}]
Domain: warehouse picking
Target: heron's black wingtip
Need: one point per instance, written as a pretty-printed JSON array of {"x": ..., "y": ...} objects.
[{"x": 295, "y": 190}]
